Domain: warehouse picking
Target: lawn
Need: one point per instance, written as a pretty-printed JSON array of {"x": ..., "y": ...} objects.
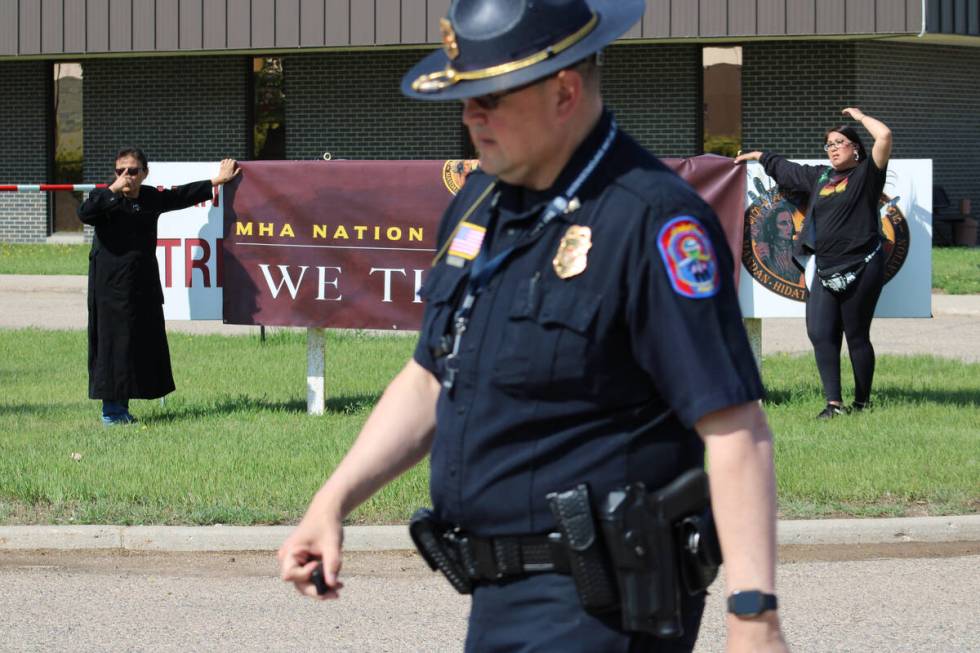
[
  {"x": 956, "y": 270},
  {"x": 234, "y": 445}
]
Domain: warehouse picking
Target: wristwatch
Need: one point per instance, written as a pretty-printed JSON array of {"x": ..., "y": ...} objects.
[{"x": 750, "y": 603}]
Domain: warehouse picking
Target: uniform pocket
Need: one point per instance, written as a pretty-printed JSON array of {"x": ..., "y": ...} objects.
[
  {"x": 547, "y": 341},
  {"x": 440, "y": 293}
]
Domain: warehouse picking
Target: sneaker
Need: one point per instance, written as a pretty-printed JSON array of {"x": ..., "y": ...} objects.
[
  {"x": 116, "y": 420},
  {"x": 858, "y": 406},
  {"x": 831, "y": 411}
]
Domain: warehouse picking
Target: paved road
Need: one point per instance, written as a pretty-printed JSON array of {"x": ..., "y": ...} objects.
[
  {"x": 58, "y": 302},
  {"x": 64, "y": 601}
]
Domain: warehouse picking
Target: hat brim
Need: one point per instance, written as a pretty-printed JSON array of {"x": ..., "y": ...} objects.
[{"x": 616, "y": 17}]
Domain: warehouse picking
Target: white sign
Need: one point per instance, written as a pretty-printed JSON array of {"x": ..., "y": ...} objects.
[
  {"x": 189, "y": 246},
  {"x": 769, "y": 286}
]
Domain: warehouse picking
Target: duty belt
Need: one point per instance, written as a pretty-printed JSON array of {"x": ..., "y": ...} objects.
[
  {"x": 466, "y": 559},
  {"x": 633, "y": 551}
]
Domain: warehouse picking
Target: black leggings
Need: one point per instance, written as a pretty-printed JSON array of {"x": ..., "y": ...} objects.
[{"x": 830, "y": 316}]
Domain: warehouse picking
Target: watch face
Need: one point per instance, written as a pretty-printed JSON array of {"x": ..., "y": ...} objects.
[{"x": 747, "y": 604}]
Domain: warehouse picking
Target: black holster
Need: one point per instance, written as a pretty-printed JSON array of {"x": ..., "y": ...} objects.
[{"x": 660, "y": 542}]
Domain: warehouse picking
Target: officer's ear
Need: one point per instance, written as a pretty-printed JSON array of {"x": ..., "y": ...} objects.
[{"x": 571, "y": 88}]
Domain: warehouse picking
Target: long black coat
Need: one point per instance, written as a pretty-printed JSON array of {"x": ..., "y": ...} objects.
[{"x": 128, "y": 356}]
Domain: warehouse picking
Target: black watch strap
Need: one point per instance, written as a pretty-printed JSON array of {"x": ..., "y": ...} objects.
[{"x": 750, "y": 603}]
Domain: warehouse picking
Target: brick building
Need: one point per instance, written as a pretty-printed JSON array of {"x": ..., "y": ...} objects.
[{"x": 179, "y": 78}]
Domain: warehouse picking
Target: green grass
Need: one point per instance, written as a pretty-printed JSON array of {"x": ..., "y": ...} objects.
[
  {"x": 43, "y": 259},
  {"x": 917, "y": 452},
  {"x": 234, "y": 445},
  {"x": 956, "y": 270}
]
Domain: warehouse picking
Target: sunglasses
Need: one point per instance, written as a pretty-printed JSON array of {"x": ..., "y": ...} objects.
[
  {"x": 833, "y": 145},
  {"x": 132, "y": 172},
  {"x": 491, "y": 101}
]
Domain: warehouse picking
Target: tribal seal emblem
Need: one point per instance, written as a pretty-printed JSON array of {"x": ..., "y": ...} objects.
[{"x": 454, "y": 173}]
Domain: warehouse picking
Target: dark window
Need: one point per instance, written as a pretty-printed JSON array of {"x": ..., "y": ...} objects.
[
  {"x": 722, "y": 84},
  {"x": 68, "y": 154},
  {"x": 269, "y": 127}
]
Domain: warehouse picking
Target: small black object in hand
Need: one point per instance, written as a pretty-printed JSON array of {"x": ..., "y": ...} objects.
[{"x": 318, "y": 581}]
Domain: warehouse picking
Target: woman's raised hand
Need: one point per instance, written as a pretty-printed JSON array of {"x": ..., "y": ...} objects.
[
  {"x": 226, "y": 172},
  {"x": 748, "y": 156}
]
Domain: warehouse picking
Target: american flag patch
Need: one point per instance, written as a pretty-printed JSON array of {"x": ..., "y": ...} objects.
[{"x": 466, "y": 243}]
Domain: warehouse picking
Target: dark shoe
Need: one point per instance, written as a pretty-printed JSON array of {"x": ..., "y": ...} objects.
[
  {"x": 859, "y": 406},
  {"x": 117, "y": 420},
  {"x": 831, "y": 411}
]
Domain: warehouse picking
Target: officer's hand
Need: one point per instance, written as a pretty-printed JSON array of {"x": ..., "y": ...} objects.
[
  {"x": 317, "y": 539},
  {"x": 748, "y": 156},
  {"x": 759, "y": 635}
]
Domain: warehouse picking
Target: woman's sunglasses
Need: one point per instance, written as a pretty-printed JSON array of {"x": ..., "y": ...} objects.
[{"x": 132, "y": 172}]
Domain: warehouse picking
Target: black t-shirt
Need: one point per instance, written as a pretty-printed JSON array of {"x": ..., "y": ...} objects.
[{"x": 845, "y": 213}]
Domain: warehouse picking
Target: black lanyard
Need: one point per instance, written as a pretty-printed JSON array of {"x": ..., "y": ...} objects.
[{"x": 482, "y": 270}]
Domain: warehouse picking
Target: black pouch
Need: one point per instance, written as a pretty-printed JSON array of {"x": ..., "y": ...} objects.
[
  {"x": 582, "y": 541},
  {"x": 836, "y": 280},
  {"x": 429, "y": 536},
  {"x": 840, "y": 277}
]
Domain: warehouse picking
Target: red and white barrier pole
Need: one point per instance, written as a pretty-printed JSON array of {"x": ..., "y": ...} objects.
[{"x": 44, "y": 188}]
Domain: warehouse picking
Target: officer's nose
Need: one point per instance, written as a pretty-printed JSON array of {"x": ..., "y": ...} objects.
[{"x": 473, "y": 114}]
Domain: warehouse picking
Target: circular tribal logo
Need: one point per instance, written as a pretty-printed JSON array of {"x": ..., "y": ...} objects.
[
  {"x": 773, "y": 223},
  {"x": 454, "y": 173}
]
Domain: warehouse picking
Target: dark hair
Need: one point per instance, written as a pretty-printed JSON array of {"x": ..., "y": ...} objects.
[
  {"x": 852, "y": 136},
  {"x": 136, "y": 153},
  {"x": 770, "y": 230}
]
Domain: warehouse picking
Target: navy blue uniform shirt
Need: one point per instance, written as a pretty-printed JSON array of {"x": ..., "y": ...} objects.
[{"x": 598, "y": 377}]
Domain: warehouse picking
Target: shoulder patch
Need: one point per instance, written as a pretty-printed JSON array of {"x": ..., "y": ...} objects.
[{"x": 689, "y": 258}]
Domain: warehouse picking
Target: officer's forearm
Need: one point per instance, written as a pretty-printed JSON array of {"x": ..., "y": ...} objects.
[
  {"x": 743, "y": 494},
  {"x": 396, "y": 436}
]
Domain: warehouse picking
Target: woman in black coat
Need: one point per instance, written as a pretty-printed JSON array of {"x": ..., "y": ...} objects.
[
  {"x": 842, "y": 229},
  {"x": 128, "y": 357}
]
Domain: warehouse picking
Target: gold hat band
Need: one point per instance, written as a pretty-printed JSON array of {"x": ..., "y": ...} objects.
[{"x": 444, "y": 78}]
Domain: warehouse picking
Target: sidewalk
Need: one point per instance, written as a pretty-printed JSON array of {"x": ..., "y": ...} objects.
[
  {"x": 58, "y": 302},
  {"x": 842, "y": 532}
]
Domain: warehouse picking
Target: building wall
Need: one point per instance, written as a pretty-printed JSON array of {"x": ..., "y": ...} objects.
[
  {"x": 348, "y": 104},
  {"x": 176, "y": 109},
  {"x": 654, "y": 91},
  {"x": 930, "y": 97},
  {"x": 792, "y": 92},
  {"x": 927, "y": 94},
  {"x": 23, "y": 153}
]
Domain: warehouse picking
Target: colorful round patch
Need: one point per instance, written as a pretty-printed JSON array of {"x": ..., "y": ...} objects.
[{"x": 689, "y": 258}]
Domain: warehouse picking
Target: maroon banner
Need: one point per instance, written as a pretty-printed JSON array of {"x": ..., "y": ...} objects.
[{"x": 346, "y": 244}]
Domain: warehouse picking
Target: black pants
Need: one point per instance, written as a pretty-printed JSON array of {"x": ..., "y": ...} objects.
[
  {"x": 830, "y": 316},
  {"x": 542, "y": 613}
]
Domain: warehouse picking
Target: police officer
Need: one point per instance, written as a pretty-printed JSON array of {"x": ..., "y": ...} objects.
[{"x": 581, "y": 326}]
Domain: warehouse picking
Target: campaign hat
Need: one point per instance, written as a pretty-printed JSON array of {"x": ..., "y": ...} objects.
[{"x": 490, "y": 46}]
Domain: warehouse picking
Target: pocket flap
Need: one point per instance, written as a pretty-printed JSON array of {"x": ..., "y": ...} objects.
[
  {"x": 441, "y": 284},
  {"x": 574, "y": 310}
]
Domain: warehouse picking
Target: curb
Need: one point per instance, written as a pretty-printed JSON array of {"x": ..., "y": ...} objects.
[{"x": 965, "y": 528}]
